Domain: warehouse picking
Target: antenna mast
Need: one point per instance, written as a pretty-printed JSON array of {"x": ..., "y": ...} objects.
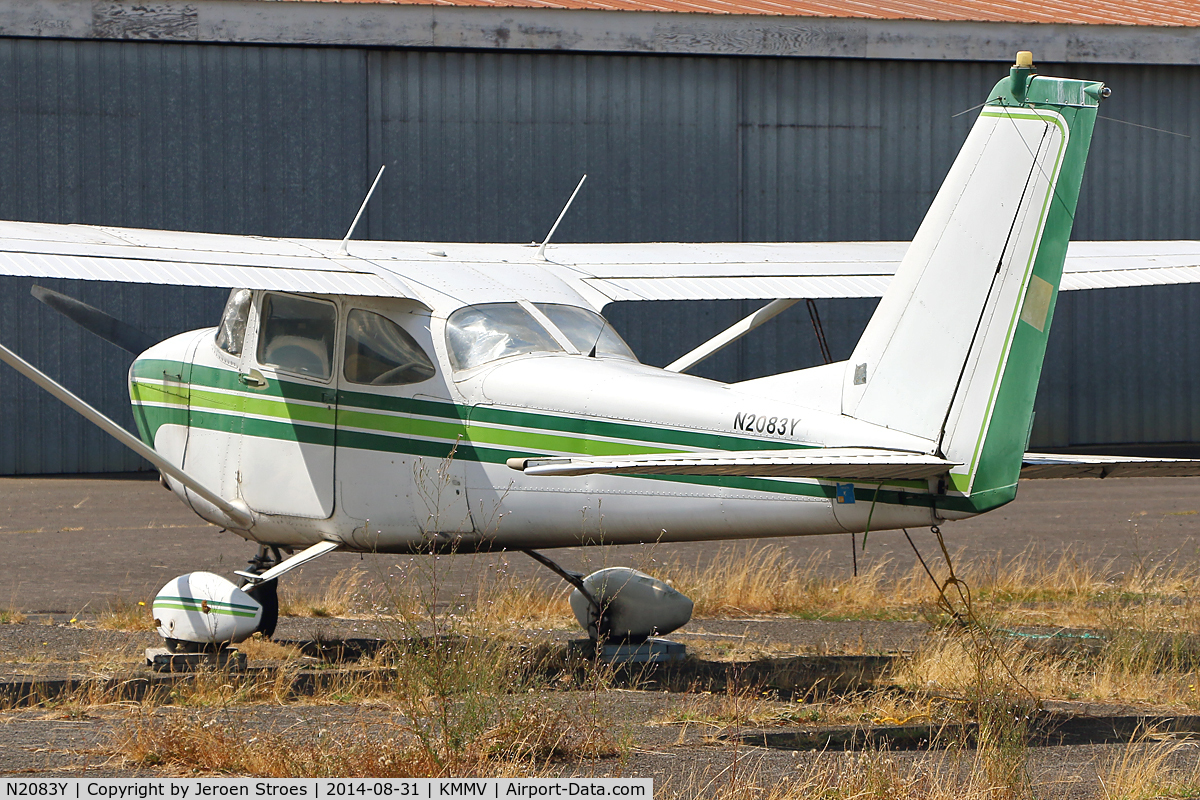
[
  {"x": 341, "y": 251},
  {"x": 541, "y": 253}
]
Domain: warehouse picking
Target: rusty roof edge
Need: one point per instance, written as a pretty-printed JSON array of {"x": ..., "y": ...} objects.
[{"x": 495, "y": 28}]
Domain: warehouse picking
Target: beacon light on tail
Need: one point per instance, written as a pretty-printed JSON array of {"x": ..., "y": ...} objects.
[{"x": 403, "y": 397}]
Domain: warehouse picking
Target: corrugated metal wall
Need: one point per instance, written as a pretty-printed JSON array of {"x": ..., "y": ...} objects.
[{"x": 486, "y": 147}]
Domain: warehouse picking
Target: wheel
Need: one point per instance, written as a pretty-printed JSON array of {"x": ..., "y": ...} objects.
[{"x": 266, "y": 594}]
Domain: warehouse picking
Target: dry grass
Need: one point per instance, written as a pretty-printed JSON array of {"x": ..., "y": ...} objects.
[
  {"x": 11, "y": 615},
  {"x": 731, "y": 648},
  {"x": 756, "y": 580},
  {"x": 440, "y": 707},
  {"x": 124, "y": 614},
  {"x": 1144, "y": 770},
  {"x": 261, "y": 649},
  {"x": 530, "y": 606},
  {"x": 1026, "y": 589},
  {"x": 337, "y": 597},
  {"x": 1152, "y": 769},
  {"x": 381, "y": 745},
  {"x": 739, "y": 708},
  {"x": 1125, "y": 669},
  {"x": 452, "y": 696},
  {"x": 868, "y": 775}
]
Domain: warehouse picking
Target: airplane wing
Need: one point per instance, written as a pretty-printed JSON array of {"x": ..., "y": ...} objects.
[
  {"x": 861, "y": 464},
  {"x": 834, "y": 269},
  {"x": 1048, "y": 465},
  {"x": 602, "y": 273},
  {"x": 128, "y": 255}
]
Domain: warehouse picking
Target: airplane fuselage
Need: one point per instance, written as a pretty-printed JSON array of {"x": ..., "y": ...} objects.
[{"x": 314, "y": 455}]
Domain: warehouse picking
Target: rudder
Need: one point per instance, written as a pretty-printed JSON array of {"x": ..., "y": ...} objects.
[{"x": 954, "y": 351}]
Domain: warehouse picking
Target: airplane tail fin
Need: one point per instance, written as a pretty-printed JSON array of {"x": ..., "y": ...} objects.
[{"x": 954, "y": 351}]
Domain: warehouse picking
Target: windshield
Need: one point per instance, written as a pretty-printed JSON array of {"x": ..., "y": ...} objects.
[
  {"x": 478, "y": 334},
  {"x": 231, "y": 333},
  {"x": 587, "y": 330}
]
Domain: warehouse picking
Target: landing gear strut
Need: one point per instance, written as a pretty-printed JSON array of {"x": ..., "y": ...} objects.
[{"x": 601, "y": 629}]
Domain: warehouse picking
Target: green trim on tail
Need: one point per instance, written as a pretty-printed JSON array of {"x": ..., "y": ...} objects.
[{"x": 997, "y": 461}]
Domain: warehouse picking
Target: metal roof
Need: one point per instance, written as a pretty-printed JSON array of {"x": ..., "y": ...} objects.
[{"x": 1082, "y": 12}]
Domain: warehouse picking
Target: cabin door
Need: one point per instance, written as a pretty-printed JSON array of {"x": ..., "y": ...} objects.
[
  {"x": 395, "y": 426},
  {"x": 290, "y": 408}
]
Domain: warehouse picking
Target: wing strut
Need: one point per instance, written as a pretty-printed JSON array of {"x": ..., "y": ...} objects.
[
  {"x": 730, "y": 335},
  {"x": 239, "y": 516}
]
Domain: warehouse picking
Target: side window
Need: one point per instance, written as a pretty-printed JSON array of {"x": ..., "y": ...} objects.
[
  {"x": 381, "y": 353},
  {"x": 296, "y": 335},
  {"x": 231, "y": 333}
]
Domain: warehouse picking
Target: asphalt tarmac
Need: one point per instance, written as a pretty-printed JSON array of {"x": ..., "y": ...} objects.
[{"x": 70, "y": 543}]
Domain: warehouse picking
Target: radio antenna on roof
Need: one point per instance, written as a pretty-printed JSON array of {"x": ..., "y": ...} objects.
[
  {"x": 341, "y": 251},
  {"x": 541, "y": 253}
]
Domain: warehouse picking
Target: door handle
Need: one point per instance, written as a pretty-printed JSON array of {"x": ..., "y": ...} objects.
[{"x": 253, "y": 379}]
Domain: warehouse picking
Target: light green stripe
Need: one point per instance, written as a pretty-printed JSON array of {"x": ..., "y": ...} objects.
[
  {"x": 450, "y": 432},
  {"x": 649, "y": 434},
  {"x": 198, "y": 600},
  {"x": 221, "y": 611},
  {"x": 396, "y": 424},
  {"x": 242, "y": 404}
]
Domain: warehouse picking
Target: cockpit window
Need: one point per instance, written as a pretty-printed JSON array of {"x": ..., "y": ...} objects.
[
  {"x": 478, "y": 334},
  {"x": 296, "y": 335},
  {"x": 231, "y": 333},
  {"x": 588, "y": 331},
  {"x": 381, "y": 353}
]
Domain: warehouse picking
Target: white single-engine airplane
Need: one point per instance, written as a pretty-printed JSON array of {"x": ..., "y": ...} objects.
[{"x": 403, "y": 397}]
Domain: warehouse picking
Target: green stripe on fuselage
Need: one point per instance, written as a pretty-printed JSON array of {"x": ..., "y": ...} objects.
[
  {"x": 353, "y": 408},
  {"x": 472, "y": 433}
]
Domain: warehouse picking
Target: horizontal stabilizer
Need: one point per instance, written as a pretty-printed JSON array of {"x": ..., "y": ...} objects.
[
  {"x": 1048, "y": 465},
  {"x": 862, "y": 464}
]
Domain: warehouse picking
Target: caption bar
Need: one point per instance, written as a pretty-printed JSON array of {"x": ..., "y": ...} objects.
[{"x": 312, "y": 789}]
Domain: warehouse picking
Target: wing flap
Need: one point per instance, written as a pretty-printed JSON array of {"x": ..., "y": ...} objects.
[
  {"x": 834, "y": 463},
  {"x": 1049, "y": 465}
]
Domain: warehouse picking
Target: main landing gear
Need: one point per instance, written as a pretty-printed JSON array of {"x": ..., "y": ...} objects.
[{"x": 622, "y": 605}]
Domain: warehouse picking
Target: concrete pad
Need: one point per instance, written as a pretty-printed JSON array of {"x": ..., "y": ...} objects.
[{"x": 73, "y": 543}]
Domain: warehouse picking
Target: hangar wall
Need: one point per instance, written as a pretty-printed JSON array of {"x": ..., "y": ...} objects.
[{"x": 485, "y": 146}]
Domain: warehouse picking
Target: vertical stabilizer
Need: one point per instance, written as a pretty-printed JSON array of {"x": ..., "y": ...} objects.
[{"x": 954, "y": 350}]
